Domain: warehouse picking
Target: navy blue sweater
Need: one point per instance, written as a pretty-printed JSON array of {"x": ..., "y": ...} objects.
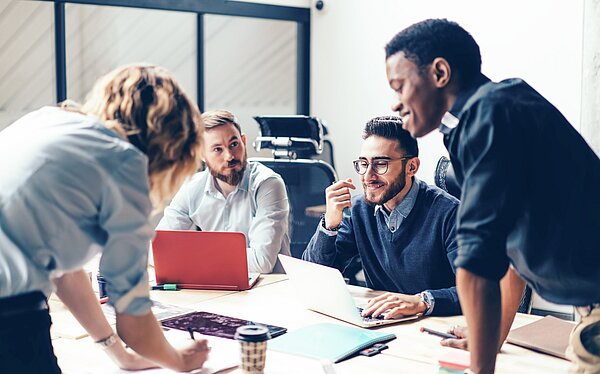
[{"x": 418, "y": 256}]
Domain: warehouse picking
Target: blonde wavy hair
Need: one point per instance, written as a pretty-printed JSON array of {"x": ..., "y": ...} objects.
[{"x": 144, "y": 104}]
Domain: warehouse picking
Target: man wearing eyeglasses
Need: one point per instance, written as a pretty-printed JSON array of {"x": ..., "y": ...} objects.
[{"x": 402, "y": 229}]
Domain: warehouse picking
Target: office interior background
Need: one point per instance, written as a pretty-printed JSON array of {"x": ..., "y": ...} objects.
[{"x": 288, "y": 57}]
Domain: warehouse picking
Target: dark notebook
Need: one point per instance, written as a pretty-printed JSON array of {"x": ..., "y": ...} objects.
[
  {"x": 215, "y": 324},
  {"x": 548, "y": 335}
]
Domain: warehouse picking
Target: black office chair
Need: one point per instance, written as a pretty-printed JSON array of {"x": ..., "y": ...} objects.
[
  {"x": 444, "y": 177},
  {"x": 525, "y": 304},
  {"x": 446, "y": 180},
  {"x": 290, "y": 137},
  {"x": 293, "y": 140},
  {"x": 327, "y": 154}
]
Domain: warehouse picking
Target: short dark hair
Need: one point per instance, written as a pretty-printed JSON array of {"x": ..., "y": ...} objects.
[
  {"x": 390, "y": 127},
  {"x": 424, "y": 41}
]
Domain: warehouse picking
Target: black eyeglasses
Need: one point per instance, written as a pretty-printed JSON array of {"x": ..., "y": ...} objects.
[{"x": 379, "y": 166}]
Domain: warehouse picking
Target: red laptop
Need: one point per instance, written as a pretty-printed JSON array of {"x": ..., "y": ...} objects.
[{"x": 202, "y": 260}]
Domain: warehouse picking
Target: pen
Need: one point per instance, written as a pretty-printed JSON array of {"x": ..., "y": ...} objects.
[
  {"x": 438, "y": 333},
  {"x": 166, "y": 287},
  {"x": 191, "y": 333}
]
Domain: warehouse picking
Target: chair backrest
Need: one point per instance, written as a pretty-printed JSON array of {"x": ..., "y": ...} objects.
[
  {"x": 525, "y": 304},
  {"x": 444, "y": 177},
  {"x": 327, "y": 154},
  {"x": 305, "y": 181},
  {"x": 295, "y": 142},
  {"x": 290, "y": 137}
]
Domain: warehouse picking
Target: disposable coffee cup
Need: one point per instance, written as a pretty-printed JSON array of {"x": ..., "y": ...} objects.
[{"x": 253, "y": 344}]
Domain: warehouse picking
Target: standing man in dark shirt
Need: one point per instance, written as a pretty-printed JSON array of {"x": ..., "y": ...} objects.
[
  {"x": 402, "y": 229},
  {"x": 529, "y": 202}
]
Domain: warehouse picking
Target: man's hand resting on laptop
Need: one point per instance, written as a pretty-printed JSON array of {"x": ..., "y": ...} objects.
[{"x": 394, "y": 305}]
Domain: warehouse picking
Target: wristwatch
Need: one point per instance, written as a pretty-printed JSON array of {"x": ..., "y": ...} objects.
[
  {"x": 428, "y": 300},
  {"x": 328, "y": 228},
  {"x": 107, "y": 342}
]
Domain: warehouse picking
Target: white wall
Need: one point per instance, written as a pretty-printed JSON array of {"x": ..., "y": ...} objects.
[
  {"x": 348, "y": 82},
  {"x": 590, "y": 91},
  {"x": 538, "y": 40}
]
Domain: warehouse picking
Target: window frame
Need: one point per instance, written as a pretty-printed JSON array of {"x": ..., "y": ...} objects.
[{"x": 200, "y": 7}]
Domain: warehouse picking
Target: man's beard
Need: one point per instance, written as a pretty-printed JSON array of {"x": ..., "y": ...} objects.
[
  {"x": 391, "y": 191},
  {"x": 235, "y": 176}
]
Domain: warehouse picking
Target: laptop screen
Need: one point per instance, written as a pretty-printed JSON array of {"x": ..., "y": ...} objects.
[{"x": 201, "y": 259}]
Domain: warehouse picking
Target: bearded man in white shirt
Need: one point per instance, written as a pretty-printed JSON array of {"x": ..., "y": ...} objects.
[{"x": 232, "y": 194}]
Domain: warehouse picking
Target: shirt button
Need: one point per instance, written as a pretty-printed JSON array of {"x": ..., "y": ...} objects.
[{"x": 393, "y": 228}]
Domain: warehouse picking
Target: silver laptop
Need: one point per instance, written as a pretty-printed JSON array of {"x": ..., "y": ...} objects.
[{"x": 322, "y": 289}]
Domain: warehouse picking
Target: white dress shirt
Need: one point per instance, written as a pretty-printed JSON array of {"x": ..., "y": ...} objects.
[{"x": 258, "y": 207}]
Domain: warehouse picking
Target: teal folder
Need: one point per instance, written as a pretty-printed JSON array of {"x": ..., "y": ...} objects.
[{"x": 327, "y": 341}]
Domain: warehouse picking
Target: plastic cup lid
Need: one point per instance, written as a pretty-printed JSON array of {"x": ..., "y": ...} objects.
[{"x": 252, "y": 333}]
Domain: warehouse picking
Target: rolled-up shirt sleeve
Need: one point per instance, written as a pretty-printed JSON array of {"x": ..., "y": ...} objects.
[
  {"x": 124, "y": 215},
  {"x": 490, "y": 189}
]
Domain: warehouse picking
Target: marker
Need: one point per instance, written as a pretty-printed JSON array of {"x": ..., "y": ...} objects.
[
  {"x": 104, "y": 300},
  {"x": 191, "y": 333},
  {"x": 166, "y": 287},
  {"x": 438, "y": 333}
]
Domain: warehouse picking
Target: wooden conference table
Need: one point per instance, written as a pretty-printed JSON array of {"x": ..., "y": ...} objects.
[{"x": 273, "y": 301}]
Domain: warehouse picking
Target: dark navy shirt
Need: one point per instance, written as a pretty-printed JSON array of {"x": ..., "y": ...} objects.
[
  {"x": 530, "y": 191},
  {"x": 417, "y": 256}
]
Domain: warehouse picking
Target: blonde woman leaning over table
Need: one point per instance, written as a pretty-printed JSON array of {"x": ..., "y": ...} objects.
[{"x": 79, "y": 180}]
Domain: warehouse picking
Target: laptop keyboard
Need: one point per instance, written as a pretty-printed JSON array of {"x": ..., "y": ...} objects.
[{"x": 370, "y": 319}]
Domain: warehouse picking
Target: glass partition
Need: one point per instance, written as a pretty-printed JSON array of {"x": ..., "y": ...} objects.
[
  {"x": 27, "y": 59},
  {"x": 250, "y": 69},
  {"x": 100, "y": 38}
]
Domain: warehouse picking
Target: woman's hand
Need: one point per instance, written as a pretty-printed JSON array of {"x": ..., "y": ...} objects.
[
  {"x": 127, "y": 359},
  {"x": 195, "y": 355}
]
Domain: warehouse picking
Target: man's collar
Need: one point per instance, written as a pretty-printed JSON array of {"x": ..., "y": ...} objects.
[
  {"x": 407, "y": 204},
  {"x": 449, "y": 122},
  {"x": 451, "y": 117},
  {"x": 211, "y": 185},
  {"x": 245, "y": 182}
]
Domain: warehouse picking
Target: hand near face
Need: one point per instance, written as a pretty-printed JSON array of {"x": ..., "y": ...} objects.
[
  {"x": 338, "y": 197},
  {"x": 461, "y": 333},
  {"x": 394, "y": 305}
]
